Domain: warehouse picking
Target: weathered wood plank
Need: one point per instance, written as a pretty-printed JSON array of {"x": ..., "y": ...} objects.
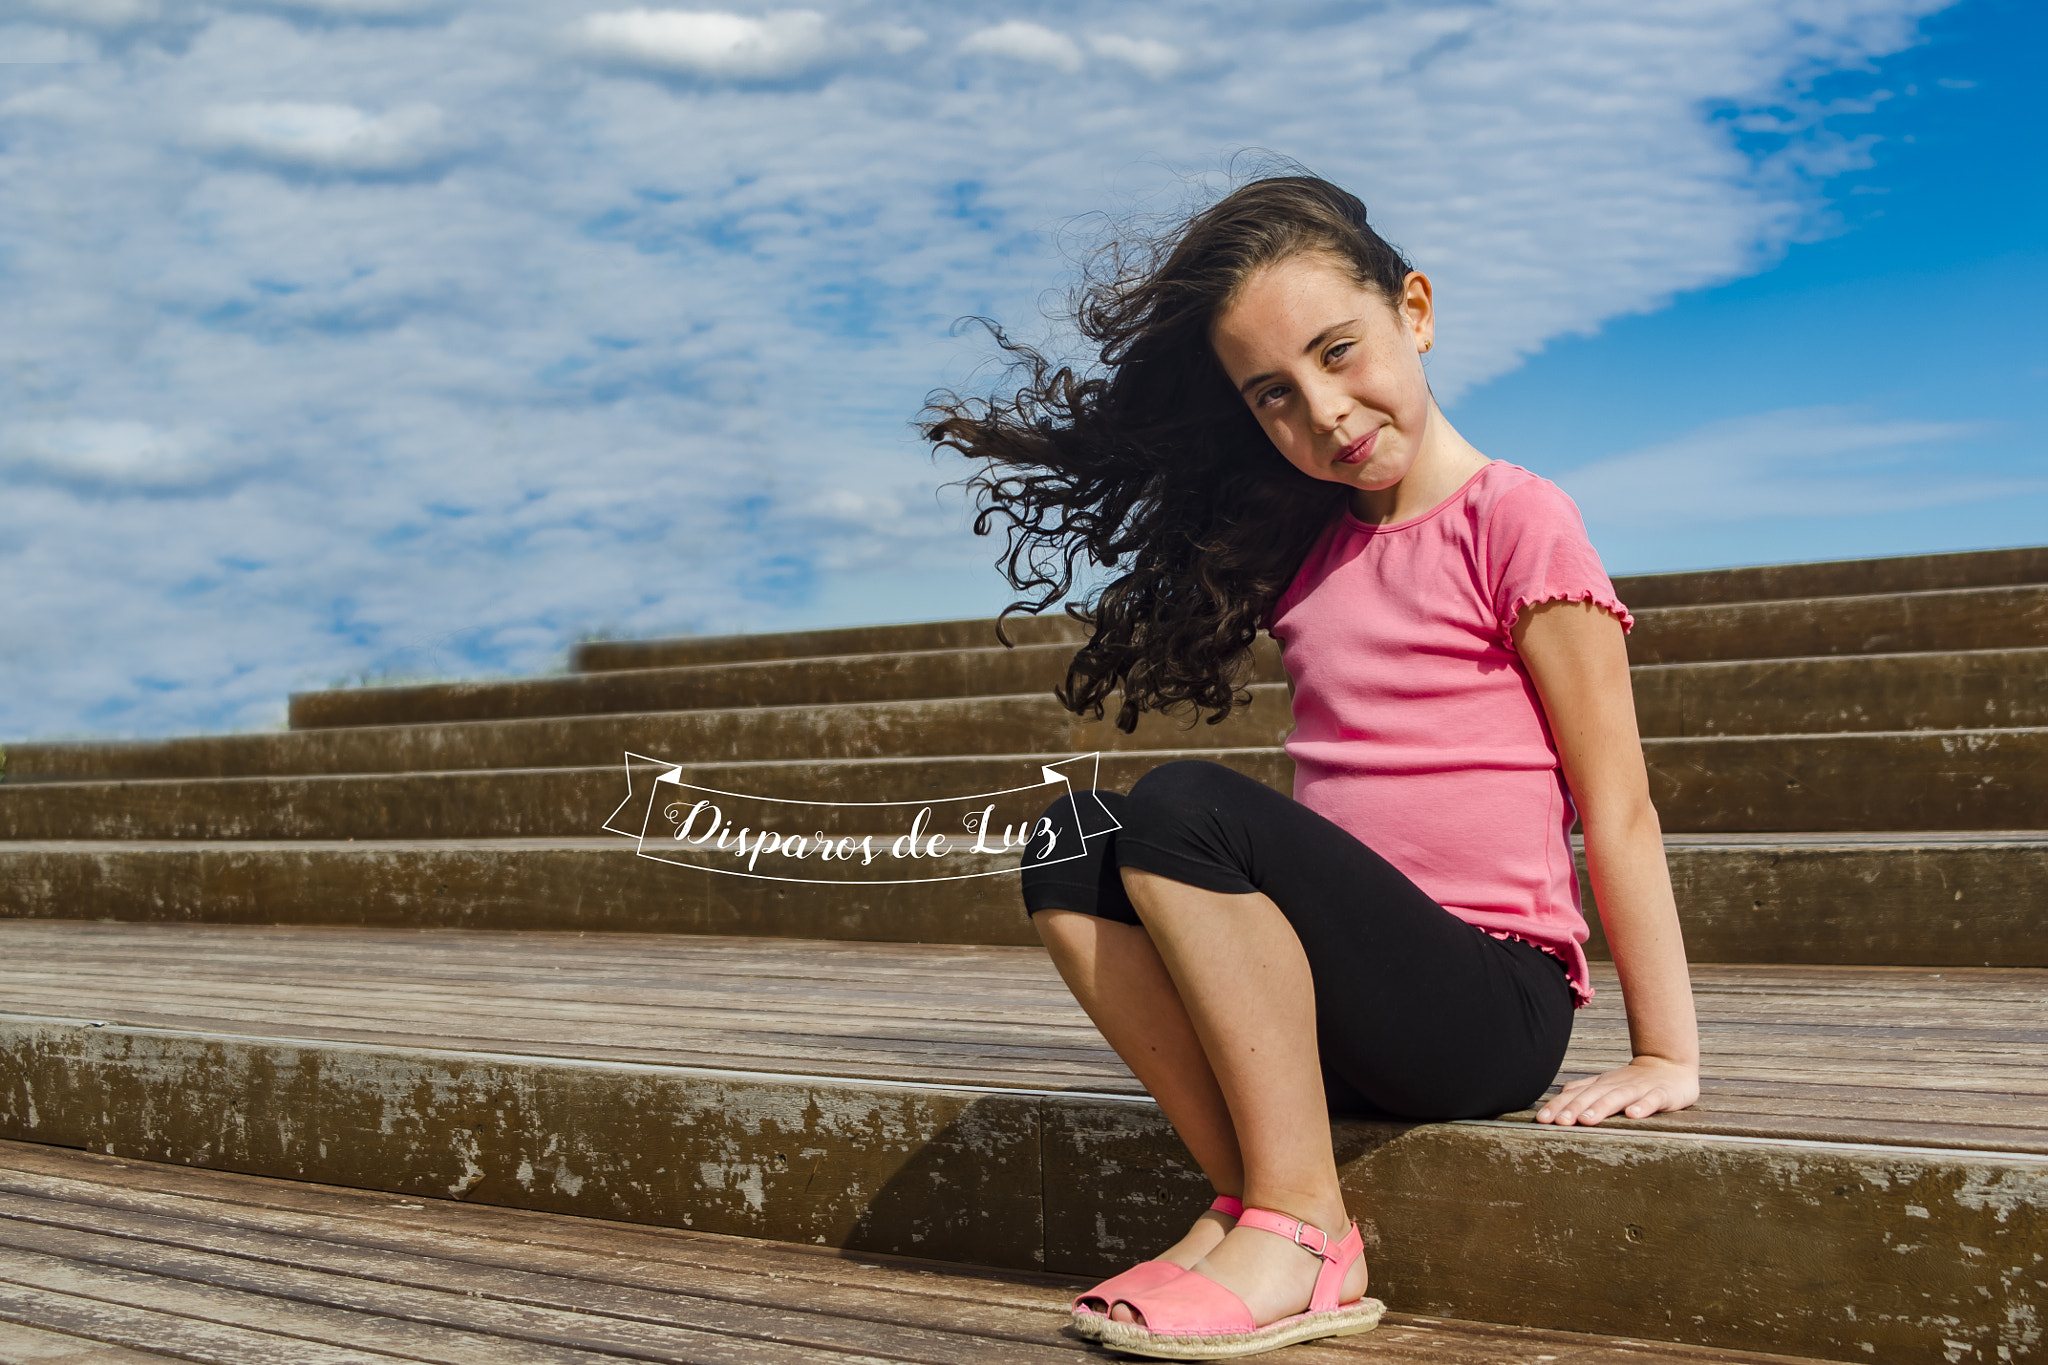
[
  {"x": 158, "y": 1279},
  {"x": 472, "y": 1244},
  {"x": 21, "y": 1345},
  {"x": 519, "y": 1306},
  {"x": 125, "y": 1326},
  {"x": 1788, "y": 1049}
]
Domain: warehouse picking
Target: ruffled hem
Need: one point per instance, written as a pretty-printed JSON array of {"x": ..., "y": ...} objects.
[
  {"x": 1605, "y": 600},
  {"x": 1581, "y": 992}
]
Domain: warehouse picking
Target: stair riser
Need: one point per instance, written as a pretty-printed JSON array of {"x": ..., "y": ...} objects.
[
  {"x": 1908, "y": 573},
  {"x": 1940, "y": 780},
  {"x": 598, "y": 656},
  {"x": 910, "y": 729},
  {"x": 1988, "y": 619},
  {"x": 2003, "y": 688},
  {"x": 1945, "y": 780},
  {"x": 802, "y": 682},
  {"x": 1977, "y": 618},
  {"x": 557, "y": 802},
  {"x": 1838, "y": 578},
  {"x": 1926, "y": 905},
  {"x": 603, "y": 889},
  {"x": 1070, "y": 1183},
  {"x": 1956, "y": 691}
]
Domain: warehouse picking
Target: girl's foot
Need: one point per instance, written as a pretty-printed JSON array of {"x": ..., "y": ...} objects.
[
  {"x": 1204, "y": 1237},
  {"x": 1273, "y": 1276}
]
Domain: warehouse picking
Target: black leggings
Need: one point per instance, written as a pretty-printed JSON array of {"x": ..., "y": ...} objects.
[{"x": 1419, "y": 1015}]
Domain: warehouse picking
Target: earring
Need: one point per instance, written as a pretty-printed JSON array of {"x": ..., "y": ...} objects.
[{"x": 1427, "y": 344}]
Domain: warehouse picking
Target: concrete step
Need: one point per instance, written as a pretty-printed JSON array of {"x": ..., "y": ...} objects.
[
  {"x": 1890, "y": 623},
  {"x": 1033, "y": 722},
  {"x": 1837, "y": 578},
  {"x": 1926, "y": 780},
  {"x": 954, "y": 1103},
  {"x": 1960, "y": 690},
  {"x": 1973, "y": 689},
  {"x": 789, "y": 682},
  {"x": 2010, "y": 618},
  {"x": 597, "y": 656},
  {"x": 1770, "y": 582},
  {"x": 1918, "y": 899},
  {"x": 114, "y": 1261}
]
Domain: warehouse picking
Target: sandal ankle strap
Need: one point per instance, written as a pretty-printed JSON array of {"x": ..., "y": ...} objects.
[
  {"x": 1336, "y": 1254},
  {"x": 1227, "y": 1204},
  {"x": 1307, "y": 1236}
]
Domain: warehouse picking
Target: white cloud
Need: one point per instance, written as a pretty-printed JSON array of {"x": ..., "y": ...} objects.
[
  {"x": 27, "y": 45},
  {"x": 358, "y": 9},
  {"x": 1148, "y": 55},
  {"x": 111, "y": 456},
  {"x": 335, "y": 137},
  {"x": 710, "y": 42},
  {"x": 1798, "y": 462},
  {"x": 898, "y": 40},
  {"x": 1026, "y": 42},
  {"x": 101, "y": 14}
]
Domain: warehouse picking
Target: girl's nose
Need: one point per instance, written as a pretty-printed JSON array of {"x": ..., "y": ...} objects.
[{"x": 1328, "y": 406}]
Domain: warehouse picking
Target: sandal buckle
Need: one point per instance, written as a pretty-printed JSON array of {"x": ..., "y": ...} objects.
[{"x": 1322, "y": 1252}]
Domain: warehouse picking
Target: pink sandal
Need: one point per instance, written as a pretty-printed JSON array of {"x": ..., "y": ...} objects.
[
  {"x": 1191, "y": 1317},
  {"x": 1139, "y": 1278}
]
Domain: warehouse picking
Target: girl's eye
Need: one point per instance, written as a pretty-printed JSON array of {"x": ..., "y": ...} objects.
[
  {"x": 1268, "y": 397},
  {"x": 1336, "y": 353}
]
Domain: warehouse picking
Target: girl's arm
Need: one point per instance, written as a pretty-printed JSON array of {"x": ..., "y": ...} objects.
[{"x": 1577, "y": 658}]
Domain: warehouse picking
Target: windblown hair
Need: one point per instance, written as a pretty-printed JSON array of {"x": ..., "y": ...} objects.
[{"x": 1151, "y": 460}]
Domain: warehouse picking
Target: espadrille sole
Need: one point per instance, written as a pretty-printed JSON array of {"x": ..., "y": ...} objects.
[{"x": 1132, "y": 1339}]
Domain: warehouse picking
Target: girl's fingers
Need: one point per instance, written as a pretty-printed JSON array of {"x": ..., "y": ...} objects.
[{"x": 1594, "y": 1099}]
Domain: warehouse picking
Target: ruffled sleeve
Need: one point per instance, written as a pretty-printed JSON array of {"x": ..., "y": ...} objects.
[{"x": 1537, "y": 551}]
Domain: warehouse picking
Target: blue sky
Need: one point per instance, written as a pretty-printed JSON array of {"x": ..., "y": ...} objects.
[
  {"x": 1880, "y": 389},
  {"x": 391, "y": 338}
]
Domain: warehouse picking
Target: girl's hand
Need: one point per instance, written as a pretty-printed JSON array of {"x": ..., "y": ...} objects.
[{"x": 1646, "y": 1086}]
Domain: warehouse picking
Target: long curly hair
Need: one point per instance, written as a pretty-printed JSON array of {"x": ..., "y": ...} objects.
[{"x": 1150, "y": 462}]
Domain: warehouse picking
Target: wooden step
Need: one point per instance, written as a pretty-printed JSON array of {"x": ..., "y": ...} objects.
[
  {"x": 1921, "y": 899},
  {"x": 155, "y": 1254},
  {"x": 1974, "y": 689},
  {"x": 954, "y": 1101},
  {"x": 1837, "y": 578},
  {"x": 1925, "y": 780}
]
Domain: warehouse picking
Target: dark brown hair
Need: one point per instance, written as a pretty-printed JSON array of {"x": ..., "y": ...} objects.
[{"x": 1148, "y": 461}]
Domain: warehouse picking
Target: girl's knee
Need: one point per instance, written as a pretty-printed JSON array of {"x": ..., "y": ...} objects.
[
  {"x": 1072, "y": 819},
  {"x": 1187, "y": 782}
]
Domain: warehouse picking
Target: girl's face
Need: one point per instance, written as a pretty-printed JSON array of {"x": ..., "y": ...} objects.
[{"x": 1332, "y": 370}]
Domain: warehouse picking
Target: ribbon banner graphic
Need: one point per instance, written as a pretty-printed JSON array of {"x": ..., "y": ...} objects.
[{"x": 782, "y": 839}]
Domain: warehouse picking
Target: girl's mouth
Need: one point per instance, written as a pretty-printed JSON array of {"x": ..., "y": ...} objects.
[{"x": 1359, "y": 450}]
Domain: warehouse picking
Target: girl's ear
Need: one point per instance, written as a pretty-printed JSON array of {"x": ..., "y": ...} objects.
[{"x": 1417, "y": 308}]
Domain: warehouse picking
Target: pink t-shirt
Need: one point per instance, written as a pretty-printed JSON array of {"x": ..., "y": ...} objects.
[{"x": 1416, "y": 726}]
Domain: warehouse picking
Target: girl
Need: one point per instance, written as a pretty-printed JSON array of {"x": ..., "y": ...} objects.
[{"x": 1260, "y": 448}]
